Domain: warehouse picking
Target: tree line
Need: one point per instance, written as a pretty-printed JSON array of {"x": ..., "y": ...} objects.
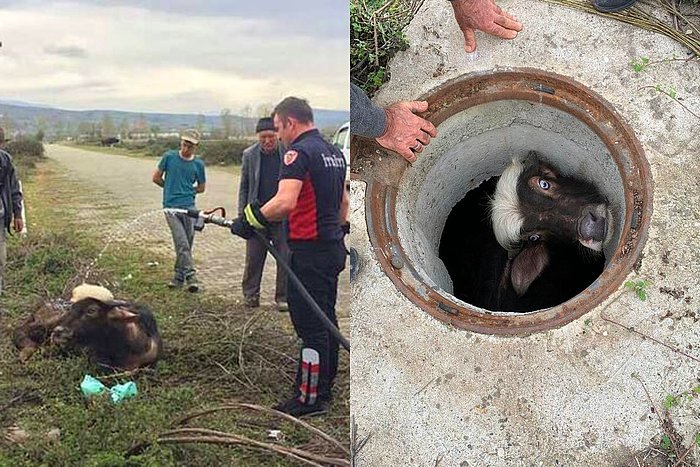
[{"x": 226, "y": 126}]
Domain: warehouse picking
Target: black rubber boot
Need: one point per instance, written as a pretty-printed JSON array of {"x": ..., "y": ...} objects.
[
  {"x": 612, "y": 6},
  {"x": 296, "y": 409}
]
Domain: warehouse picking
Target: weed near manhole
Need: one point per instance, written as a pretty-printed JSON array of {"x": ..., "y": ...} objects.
[
  {"x": 639, "y": 287},
  {"x": 668, "y": 447},
  {"x": 376, "y": 34}
]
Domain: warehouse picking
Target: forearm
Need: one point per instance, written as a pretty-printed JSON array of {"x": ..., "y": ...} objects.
[
  {"x": 277, "y": 209},
  {"x": 366, "y": 118}
]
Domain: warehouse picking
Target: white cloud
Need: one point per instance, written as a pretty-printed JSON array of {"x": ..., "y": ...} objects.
[{"x": 81, "y": 56}]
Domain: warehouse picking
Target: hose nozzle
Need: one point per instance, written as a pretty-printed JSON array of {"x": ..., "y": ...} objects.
[{"x": 209, "y": 218}]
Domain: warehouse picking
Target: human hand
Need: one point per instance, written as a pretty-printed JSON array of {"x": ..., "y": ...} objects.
[
  {"x": 406, "y": 132},
  {"x": 486, "y": 16},
  {"x": 251, "y": 220},
  {"x": 242, "y": 228},
  {"x": 18, "y": 224}
]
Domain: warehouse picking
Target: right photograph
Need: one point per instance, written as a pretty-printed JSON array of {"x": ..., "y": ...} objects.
[{"x": 525, "y": 232}]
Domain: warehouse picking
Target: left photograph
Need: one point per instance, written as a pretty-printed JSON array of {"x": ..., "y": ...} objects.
[{"x": 174, "y": 284}]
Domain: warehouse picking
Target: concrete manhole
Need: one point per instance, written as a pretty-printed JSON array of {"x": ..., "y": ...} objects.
[{"x": 483, "y": 121}]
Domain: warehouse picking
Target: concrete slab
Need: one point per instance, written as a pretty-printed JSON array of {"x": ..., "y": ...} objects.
[{"x": 429, "y": 394}]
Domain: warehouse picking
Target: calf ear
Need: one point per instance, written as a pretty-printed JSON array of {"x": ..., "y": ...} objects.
[
  {"x": 122, "y": 314},
  {"x": 528, "y": 266}
]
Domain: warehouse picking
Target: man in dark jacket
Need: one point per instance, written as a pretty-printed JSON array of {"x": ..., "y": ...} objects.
[
  {"x": 259, "y": 178},
  {"x": 11, "y": 205}
]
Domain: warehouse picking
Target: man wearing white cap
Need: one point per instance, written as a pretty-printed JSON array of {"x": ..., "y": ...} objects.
[{"x": 182, "y": 177}]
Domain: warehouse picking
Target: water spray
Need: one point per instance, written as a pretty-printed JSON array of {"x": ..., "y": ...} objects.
[
  {"x": 119, "y": 230},
  {"x": 209, "y": 217}
]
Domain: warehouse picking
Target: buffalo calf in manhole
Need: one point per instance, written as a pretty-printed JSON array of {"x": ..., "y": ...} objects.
[{"x": 529, "y": 240}]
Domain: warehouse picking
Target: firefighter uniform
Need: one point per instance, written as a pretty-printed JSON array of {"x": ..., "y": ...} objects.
[{"x": 317, "y": 257}]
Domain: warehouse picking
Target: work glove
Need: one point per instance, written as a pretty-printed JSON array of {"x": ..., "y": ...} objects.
[{"x": 251, "y": 220}]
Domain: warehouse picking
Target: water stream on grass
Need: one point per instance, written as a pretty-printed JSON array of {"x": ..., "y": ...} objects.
[{"x": 119, "y": 230}]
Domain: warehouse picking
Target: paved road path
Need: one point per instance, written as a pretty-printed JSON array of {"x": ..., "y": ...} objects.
[{"x": 121, "y": 201}]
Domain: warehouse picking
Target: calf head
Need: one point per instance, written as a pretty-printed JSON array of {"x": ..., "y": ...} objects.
[
  {"x": 90, "y": 321},
  {"x": 533, "y": 205}
]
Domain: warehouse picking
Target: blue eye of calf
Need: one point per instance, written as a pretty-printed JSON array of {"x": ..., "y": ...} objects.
[
  {"x": 534, "y": 238},
  {"x": 544, "y": 184}
]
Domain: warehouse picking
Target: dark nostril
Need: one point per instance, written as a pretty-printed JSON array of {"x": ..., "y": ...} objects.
[
  {"x": 593, "y": 227},
  {"x": 596, "y": 219}
]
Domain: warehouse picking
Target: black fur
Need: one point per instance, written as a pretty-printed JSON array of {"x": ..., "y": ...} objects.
[
  {"x": 553, "y": 214},
  {"x": 476, "y": 262},
  {"x": 88, "y": 326}
]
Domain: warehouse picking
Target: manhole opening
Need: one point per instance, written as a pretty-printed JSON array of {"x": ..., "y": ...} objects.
[
  {"x": 476, "y": 145},
  {"x": 429, "y": 221}
]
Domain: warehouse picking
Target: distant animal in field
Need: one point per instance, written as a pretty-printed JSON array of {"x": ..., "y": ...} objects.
[
  {"x": 109, "y": 141},
  {"x": 540, "y": 246}
]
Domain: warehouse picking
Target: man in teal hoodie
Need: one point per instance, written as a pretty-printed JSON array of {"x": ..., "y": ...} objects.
[{"x": 181, "y": 175}]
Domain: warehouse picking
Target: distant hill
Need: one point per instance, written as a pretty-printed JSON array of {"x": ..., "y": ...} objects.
[
  {"x": 27, "y": 118},
  {"x": 23, "y": 104}
]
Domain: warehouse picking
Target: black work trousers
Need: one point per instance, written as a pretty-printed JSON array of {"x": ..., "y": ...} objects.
[{"x": 317, "y": 265}]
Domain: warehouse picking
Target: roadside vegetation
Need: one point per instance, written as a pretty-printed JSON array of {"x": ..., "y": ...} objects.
[
  {"x": 376, "y": 34},
  {"x": 26, "y": 153},
  {"x": 217, "y": 353},
  {"x": 213, "y": 152},
  {"x": 223, "y": 152}
]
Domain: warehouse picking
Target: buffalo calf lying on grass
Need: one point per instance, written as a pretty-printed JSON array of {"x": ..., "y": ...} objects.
[{"x": 116, "y": 334}]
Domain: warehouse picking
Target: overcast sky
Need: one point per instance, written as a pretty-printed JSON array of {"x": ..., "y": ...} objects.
[{"x": 174, "y": 56}]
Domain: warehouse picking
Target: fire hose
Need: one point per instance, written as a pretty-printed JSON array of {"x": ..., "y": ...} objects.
[{"x": 208, "y": 217}]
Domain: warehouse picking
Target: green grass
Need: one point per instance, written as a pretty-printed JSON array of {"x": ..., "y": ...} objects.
[
  {"x": 216, "y": 351},
  {"x": 376, "y": 34},
  {"x": 639, "y": 287}
]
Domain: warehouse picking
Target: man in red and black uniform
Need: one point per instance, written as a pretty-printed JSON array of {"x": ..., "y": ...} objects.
[{"x": 312, "y": 194}]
